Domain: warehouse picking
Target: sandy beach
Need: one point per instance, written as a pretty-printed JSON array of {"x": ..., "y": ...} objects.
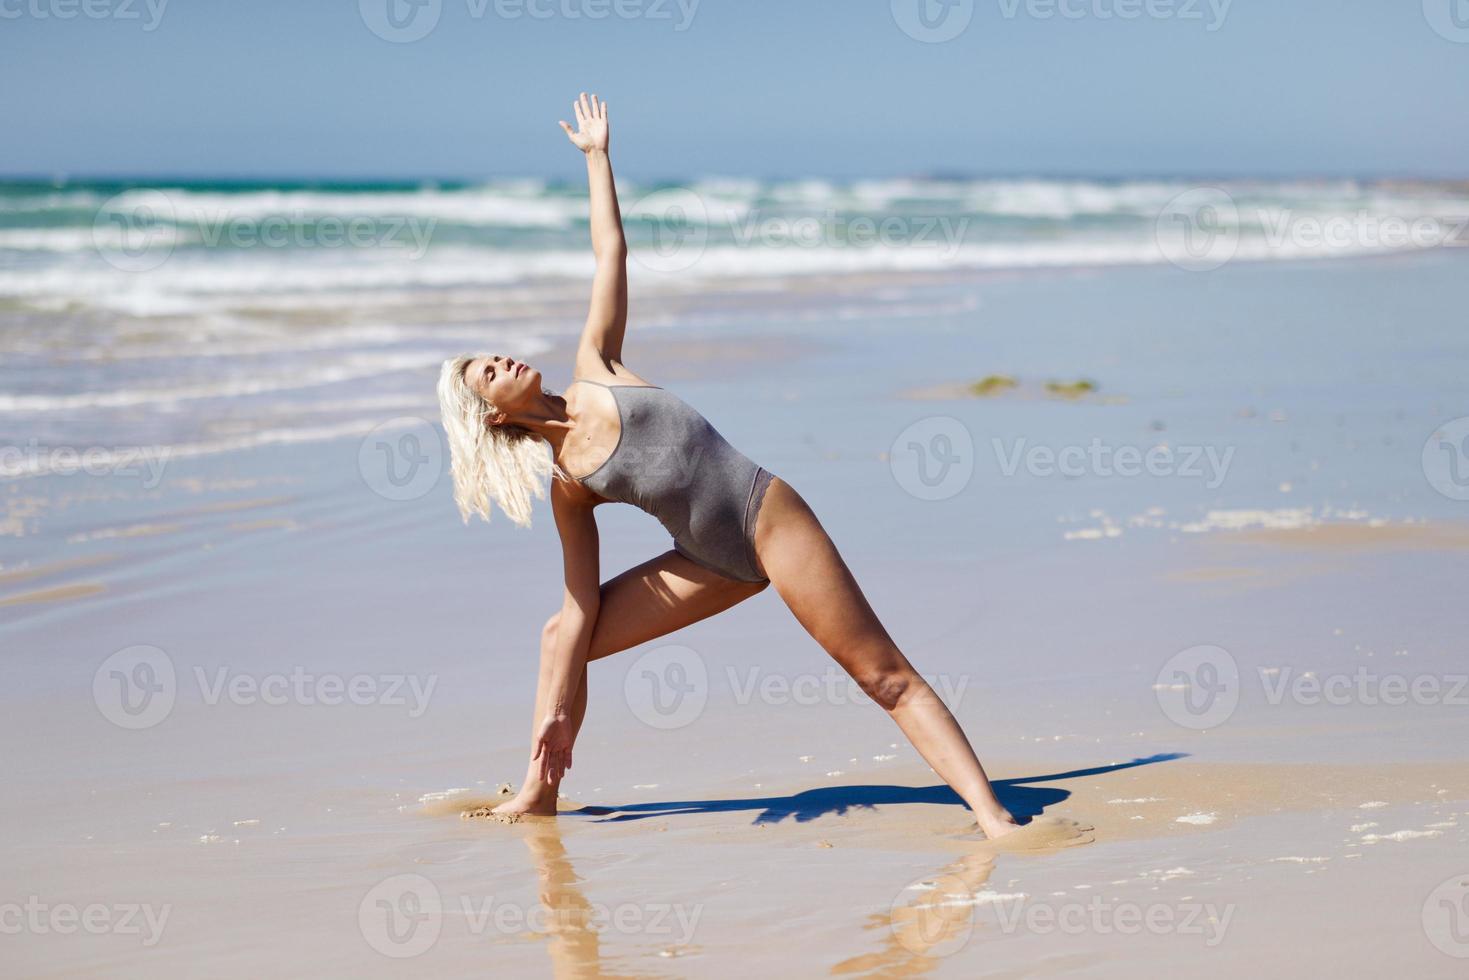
[{"x": 253, "y": 690}]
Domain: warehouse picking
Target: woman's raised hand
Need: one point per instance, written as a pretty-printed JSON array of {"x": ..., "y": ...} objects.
[{"x": 591, "y": 125}]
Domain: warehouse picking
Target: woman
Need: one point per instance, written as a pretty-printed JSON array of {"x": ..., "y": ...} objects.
[{"x": 736, "y": 527}]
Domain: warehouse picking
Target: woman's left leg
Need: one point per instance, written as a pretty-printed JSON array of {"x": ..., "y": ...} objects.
[{"x": 804, "y": 566}]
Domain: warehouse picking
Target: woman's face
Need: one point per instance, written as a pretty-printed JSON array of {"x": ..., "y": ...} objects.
[{"x": 502, "y": 381}]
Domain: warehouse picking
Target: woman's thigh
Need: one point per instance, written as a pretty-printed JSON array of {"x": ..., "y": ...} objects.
[
  {"x": 658, "y": 597},
  {"x": 806, "y": 569}
]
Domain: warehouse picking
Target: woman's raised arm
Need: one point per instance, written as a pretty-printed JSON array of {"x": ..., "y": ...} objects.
[{"x": 607, "y": 318}]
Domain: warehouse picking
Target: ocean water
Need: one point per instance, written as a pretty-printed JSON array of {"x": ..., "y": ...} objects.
[{"x": 199, "y": 318}]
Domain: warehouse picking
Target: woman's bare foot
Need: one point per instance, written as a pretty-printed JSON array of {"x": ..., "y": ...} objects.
[
  {"x": 998, "y": 825},
  {"x": 530, "y": 801}
]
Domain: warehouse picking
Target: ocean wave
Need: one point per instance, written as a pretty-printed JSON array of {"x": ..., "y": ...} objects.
[{"x": 511, "y": 205}]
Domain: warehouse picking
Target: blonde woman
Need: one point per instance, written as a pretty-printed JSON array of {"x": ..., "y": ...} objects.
[{"x": 737, "y": 528}]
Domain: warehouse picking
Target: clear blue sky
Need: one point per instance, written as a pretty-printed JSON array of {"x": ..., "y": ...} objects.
[{"x": 756, "y": 87}]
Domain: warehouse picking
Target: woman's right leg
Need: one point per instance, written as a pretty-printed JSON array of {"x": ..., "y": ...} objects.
[
  {"x": 658, "y": 597},
  {"x": 815, "y": 582}
]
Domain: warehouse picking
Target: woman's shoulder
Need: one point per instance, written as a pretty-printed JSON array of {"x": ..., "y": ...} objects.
[{"x": 603, "y": 371}]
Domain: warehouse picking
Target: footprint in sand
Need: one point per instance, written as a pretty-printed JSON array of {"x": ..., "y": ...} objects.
[
  {"x": 1046, "y": 834},
  {"x": 488, "y": 813}
]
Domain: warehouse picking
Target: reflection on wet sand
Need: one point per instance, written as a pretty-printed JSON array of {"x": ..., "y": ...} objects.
[
  {"x": 572, "y": 925},
  {"x": 574, "y": 947},
  {"x": 929, "y": 920}
]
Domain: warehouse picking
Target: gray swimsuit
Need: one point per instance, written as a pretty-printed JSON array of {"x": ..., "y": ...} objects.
[{"x": 670, "y": 462}]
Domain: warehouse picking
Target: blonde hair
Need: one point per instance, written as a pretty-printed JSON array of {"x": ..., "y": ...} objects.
[{"x": 504, "y": 463}]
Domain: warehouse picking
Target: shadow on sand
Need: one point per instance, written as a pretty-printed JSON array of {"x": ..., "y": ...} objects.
[{"x": 1018, "y": 795}]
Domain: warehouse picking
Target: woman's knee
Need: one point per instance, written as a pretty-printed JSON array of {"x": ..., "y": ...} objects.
[{"x": 887, "y": 689}]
